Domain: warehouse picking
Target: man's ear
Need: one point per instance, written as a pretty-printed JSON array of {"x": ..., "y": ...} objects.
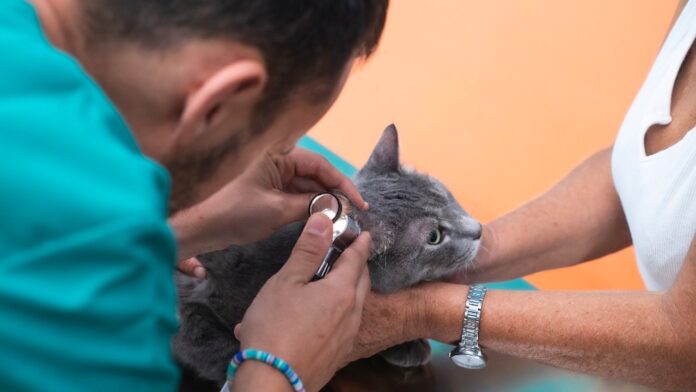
[{"x": 232, "y": 92}]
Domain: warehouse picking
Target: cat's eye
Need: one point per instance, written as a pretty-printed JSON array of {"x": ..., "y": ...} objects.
[{"x": 435, "y": 237}]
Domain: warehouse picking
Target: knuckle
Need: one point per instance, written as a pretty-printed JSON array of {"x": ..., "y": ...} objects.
[
  {"x": 322, "y": 161},
  {"x": 313, "y": 165},
  {"x": 188, "y": 265},
  {"x": 280, "y": 280},
  {"x": 275, "y": 206}
]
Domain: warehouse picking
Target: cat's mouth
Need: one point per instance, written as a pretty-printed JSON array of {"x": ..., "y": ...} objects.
[
  {"x": 466, "y": 268},
  {"x": 462, "y": 264}
]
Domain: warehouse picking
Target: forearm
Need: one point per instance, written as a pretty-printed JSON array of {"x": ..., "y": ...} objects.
[
  {"x": 579, "y": 219},
  {"x": 256, "y": 376},
  {"x": 192, "y": 240},
  {"x": 620, "y": 335}
]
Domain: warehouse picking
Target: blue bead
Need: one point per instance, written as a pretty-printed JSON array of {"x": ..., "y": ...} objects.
[{"x": 270, "y": 359}]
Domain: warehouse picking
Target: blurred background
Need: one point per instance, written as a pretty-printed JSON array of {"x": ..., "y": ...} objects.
[{"x": 500, "y": 99}]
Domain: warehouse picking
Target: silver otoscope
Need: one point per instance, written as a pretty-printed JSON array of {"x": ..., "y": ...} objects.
[{"x": 337, "y": 207}]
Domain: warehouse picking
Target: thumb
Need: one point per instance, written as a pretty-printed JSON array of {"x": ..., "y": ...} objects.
[{"x": 310, "y": 249}]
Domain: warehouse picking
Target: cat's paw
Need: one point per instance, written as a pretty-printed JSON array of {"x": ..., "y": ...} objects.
[{"x": 409, "y": 354}]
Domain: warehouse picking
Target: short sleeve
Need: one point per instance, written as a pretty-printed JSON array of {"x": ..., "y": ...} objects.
[
  {"x": 87, "y": 297},
  {"x": 91, "y": 311}
]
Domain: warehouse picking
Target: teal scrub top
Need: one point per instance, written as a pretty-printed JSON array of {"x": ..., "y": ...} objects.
[{"x": 87, "y": 298}]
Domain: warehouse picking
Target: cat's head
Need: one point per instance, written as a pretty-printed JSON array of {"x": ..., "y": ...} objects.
[{"x": 419, "y": 231}]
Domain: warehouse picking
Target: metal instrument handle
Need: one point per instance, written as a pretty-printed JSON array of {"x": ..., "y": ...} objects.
[{"x": 331, "y": 256}]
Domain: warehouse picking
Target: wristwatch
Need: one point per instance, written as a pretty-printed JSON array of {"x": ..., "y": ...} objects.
[{"x": 467, "y": 353}]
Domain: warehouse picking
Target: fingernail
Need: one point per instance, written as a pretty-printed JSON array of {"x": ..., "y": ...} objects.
[
  {"x": 317, "y": 224},
  {"x": 199, "y": 272}
]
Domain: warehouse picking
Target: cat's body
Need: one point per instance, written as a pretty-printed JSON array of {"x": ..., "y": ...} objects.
[{"x": 419, "y": 233}]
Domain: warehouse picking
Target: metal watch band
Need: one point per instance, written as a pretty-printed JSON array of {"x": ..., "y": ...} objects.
[{"x": 472, "y": 318}]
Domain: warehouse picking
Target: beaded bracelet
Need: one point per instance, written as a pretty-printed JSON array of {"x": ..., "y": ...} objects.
[{"x": 266, "y": 357}]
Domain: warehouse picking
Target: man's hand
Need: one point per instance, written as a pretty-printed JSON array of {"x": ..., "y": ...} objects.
[
  {"x": 274, "y": 191},
  {"x": 192, "y": 267},
  {"x": 311, "y": 325}
]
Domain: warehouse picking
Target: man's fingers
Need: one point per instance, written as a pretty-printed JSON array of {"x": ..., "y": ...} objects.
[
  {"x": 310, "y": 249},
  {"x": 192, "y": 267},
  {"x": 309, "y": 164},
  {"x": 350, "y": 266},
  {"x": 304, "y": 185},
  {"x": 295, "y": 206},
  {"x": 237, "y": 331},
  {"x": 348, "y": 187}
]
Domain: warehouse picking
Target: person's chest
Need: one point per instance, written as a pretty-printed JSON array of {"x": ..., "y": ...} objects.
[{"x": 654, "y": 157}]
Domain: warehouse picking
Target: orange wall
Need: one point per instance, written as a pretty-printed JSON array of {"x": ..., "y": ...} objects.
[{"x": 499, "y": 99}]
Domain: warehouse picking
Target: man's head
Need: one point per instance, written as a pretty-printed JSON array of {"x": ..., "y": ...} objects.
[{"x": 208, "y": 85}]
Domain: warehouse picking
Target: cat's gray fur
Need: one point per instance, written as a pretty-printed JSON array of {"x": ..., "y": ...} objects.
[{"x": 405, "y": 207}]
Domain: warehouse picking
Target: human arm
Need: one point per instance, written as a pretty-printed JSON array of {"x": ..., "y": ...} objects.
[
  {"x": 579, "y": 219},
  {"x": 271, "y": 193},
  {"x": 643, "y": 337},
  {"x": 311, "y": 325}
]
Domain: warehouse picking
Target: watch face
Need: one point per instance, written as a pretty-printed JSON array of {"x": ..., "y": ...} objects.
[{"x": 469, "y": 361}]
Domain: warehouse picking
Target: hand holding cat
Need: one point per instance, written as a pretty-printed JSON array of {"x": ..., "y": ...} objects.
[
  {"x": 311, "y": 325},
  {"x": 391, "y": 319},
  {"x": 272, "y": 192}
]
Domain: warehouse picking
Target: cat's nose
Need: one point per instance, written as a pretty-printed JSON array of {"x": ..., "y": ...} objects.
[
  {"x": 478, "y": 232},
  {"x": 474, "y": 233},
  {"x": 471, "y": 228}
]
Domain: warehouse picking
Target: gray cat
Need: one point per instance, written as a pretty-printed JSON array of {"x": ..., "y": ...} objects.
[{"x": 419, "y": 233}]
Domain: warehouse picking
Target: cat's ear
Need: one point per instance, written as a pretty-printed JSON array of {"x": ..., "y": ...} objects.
[{"x": 385, "y": 156}]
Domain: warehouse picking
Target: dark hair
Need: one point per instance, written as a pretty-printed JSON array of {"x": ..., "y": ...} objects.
[{"x": 303, "y": 41}]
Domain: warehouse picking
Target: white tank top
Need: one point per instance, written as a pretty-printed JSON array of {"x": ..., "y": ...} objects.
[{"x": 658, "y": 192}]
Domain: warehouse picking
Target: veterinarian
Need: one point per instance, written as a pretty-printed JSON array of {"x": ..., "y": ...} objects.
[
  {"x": 642, "y": 191},
  {"x": 97, "y": 98}
]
